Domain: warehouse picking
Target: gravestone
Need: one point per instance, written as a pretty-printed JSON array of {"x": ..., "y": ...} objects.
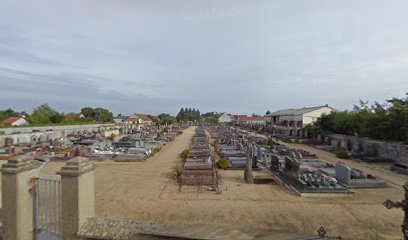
[{"x": 343, "y": 173}]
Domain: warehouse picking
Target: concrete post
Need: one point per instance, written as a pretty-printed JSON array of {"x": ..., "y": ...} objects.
[
  {"x": 248, "y": 170},
  {"x": 78, "y": 195},
  {"x": 18, "y": 198}
]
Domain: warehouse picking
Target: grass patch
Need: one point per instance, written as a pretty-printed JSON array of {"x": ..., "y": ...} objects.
[{"x": 342, "y": 154}]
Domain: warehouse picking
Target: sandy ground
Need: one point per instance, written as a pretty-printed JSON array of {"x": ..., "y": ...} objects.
[{"x": 146, "y": 191}]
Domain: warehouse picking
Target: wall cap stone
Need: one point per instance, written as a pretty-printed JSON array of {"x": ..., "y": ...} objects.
[
  {"x": 76, "y": 167},
  {"x": 19, "y": 165}
]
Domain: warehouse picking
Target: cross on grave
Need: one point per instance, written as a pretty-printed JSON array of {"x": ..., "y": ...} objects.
[{"x": 404, "y": 205}]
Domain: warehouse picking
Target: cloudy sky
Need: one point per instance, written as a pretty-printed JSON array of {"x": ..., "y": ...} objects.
[{"x": 216, "y": 55}]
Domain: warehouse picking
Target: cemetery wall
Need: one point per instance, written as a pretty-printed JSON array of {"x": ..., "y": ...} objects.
[{"x": 397, "y": 151}]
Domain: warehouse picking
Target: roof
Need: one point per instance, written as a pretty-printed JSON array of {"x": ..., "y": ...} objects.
[
  {"x": 246, "y": 118},
  {"x": 298, "y": 111},
  {"x": 10, "y": 120},
  {"x": 137, "y": 117}
]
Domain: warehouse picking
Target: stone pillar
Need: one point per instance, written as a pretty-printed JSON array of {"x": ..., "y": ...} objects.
[
  {"x": 248, "y": 170},
  {"x": 78, "y": 195},
  {"x": 18, "y": 198}
]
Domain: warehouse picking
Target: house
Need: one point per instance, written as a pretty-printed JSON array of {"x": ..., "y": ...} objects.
[
  {"x": 291, "y": 121},
  {"x": 137, "y": 121},
  {"x": 225, "y": 118},
  {"x": 15, "y": 121},
  {"x": 235, "y": 118}
]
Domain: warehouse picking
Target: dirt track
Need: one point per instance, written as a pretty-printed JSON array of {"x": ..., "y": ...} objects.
[{"x": 146, "y": 191}]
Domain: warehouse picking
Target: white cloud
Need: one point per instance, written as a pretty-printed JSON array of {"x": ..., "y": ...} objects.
[{"x": 263, "y": 55}]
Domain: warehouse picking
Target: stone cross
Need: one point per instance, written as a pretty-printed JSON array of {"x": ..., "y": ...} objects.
[{"x": 404, "y": 205}]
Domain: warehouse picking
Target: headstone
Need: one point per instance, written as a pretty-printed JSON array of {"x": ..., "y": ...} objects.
[{"x": 343, "y": 173}]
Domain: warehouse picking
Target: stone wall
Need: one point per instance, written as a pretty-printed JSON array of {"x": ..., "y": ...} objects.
[
  {"x": 24, "y": 135},
  {"x": 396, "y": 151}
]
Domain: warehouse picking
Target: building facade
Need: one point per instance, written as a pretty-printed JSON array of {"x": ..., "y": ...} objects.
[
  {"x": 137, "y": 122},
  {"x": 225, "y": 118},
  {"x": 291, "y": 121}
]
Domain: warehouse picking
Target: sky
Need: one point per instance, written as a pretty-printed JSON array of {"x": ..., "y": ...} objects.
[{"x": 235, "y": 56}]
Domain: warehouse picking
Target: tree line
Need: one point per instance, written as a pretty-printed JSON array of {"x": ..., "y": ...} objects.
[
  {"x": 192, "y": 114},
  {"x": 188, "y": 114},
  {"x": 388, "y": 121},
  {"x": 44, "y": 114}
]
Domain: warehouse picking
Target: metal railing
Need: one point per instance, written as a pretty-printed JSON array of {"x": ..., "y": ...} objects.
[{"x": 48, "y": 209}]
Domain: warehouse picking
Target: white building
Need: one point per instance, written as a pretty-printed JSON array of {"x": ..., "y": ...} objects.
[
  {"x": 225, "y": 118},
  {"x": 137, "y": 122},
  {"x": 291, "y": 121},
  {"x": 15, "y": 121}
]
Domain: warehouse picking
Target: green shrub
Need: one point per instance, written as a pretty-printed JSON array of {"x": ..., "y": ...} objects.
[
  {"x": 176, "y": 172},
  {"x": 342, "y": 154},
  {"x": 184, "y": 154},
  {"x": 165, "y": 130},
  {"x": 222, "y": 163}
]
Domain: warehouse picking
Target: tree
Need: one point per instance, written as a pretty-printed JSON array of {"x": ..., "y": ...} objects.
[
  {"x": 188, "y": 114},
  {"x": 44, "y": 114},
  {"x": 153, "y": 118},
  {"x": 57, "y": 117},
  {"x": 8, "y": 113},
  {"x": 103, "y": 115},
  {"x": 213, "y": 119},
  {"x": 381, "y": 121},
  {"x": 97, "y": 114},
  {"x": 180, "y": 115},
  {"x": 88, "y": 112},
  {"x": 166, "y": 119}
]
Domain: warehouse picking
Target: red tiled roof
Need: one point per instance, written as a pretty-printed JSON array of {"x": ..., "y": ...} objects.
[
  {"x": 144, "y": 117},
  {"x": 10, "y": 120},
  {"x": 136, "y": 117},
  {"x": 246, "y": 118}
]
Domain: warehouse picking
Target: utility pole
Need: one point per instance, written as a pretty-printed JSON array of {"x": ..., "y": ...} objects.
[{"x": 404, "y": 205}]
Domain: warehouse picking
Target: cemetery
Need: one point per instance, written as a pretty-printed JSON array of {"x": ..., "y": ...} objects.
[
  {"x": 311, "y": 175},
  {"x": 299, "y": 170},
  {"x": 249, "y": 191},
  {"x": 198, "y": 167},
  {"x": 100, "y": 145}
]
